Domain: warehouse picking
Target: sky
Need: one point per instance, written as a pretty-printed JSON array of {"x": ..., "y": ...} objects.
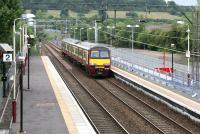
[{"x": 185, "y": 2}]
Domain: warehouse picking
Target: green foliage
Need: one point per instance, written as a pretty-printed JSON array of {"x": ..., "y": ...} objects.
[
  {"x": 41, "y": 14},
  {"x": 132, "y": 14},
  {"x": 9, "y": 10},
  {"x": 173, "y": 9},
  {"x": 50, "y": 17},
  {"x": 81, "y": 15},
  {"x": 41, "y": 36},
  {"x": 159, "y": 38},
  {"x": 120, "y": 42},
  {"x": 76, "y": 6},
  {"x": 64, "y": 13}
]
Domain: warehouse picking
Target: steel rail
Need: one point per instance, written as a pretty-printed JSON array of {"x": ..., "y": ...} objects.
[
  {"x": 142, "y": 116},
  {"x": 92, "y": 96},
  {"x": 188, "y": 131}
]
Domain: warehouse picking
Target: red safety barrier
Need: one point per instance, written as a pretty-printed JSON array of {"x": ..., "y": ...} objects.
[
  {"x": 164, "y": 70},
  {"x": 14, "y": 114}
]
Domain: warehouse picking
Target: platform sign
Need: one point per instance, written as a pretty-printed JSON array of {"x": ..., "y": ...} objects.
[
  {"x": 187, "y": 54},
  {"x": 7, "y": 57}
]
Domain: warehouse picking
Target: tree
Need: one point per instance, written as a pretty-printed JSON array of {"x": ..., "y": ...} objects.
[
  {"x": 41, "y": 14},
  {"x": 64, "y": 13},
  {"x": 9, "y": 10},
  {"x": 132, "y": 14}
]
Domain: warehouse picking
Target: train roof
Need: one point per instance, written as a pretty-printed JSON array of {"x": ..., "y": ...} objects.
[{"x": 84, "y": 45}]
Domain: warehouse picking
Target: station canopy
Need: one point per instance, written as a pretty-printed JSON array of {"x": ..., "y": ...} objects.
[{"x": 5, "y": 47}]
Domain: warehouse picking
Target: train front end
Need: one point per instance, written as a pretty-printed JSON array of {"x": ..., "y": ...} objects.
[{"x": 99, "y": 61}]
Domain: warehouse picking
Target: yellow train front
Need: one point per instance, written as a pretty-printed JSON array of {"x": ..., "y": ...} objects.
[
  {"x": 99, "y": 61},
  {"x": 95, "y": 58}
]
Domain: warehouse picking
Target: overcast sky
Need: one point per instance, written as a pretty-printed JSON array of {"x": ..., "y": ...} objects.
[{"x": 186, "y": 2}]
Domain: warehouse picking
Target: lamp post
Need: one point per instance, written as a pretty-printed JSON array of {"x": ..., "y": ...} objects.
[
  {"x": 71, "y": 32},
  {"x": 188, "y": 50},
  {"x": 20, "y": 40},
  {"x": 23, "y": 17},
  {"x": 31, "y": 22},
  {"x": 28, "y": 45},
  {"x": 88, "y": 33},
  {"x": 21, "y": 60},
  {"x": 111, "y": 28},
  {"x": 80, "y": 32},
  {"x": 132, "y": 27},
  {"x": 172, "y": 46},
  {"x": 15, "y": 70},
  {"x": 35, "y": 28},
  {"x": 75, "y": 33},
  {"x": 96, "y": 32}
]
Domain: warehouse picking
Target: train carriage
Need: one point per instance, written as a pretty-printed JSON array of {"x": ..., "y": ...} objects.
[{"x": 95, "y": 58}]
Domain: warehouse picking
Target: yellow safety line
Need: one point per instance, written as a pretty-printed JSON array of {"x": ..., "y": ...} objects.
[{"x": 65, "y": 112}]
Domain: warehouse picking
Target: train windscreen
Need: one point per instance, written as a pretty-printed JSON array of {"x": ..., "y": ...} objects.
[
  {"x": 104, "y": 54},
  {"x": 99, "y": 54}
]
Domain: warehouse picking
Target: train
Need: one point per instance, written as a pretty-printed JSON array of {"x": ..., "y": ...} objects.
[{"x": 96, "y": 59}]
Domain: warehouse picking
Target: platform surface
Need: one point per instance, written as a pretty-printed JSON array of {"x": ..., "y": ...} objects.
[
  {"x": 171, "y": 95},
  {"x": 42, "y": 114},
  {"x": 45, "y": 109}
]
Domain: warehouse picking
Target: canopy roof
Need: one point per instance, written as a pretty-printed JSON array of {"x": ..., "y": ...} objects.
[{"x": 5, "y": 47}]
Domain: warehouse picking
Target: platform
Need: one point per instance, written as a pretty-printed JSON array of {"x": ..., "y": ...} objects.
[
  {"x": 49, "y": 108},
  {"x": 187, "y": 104}
]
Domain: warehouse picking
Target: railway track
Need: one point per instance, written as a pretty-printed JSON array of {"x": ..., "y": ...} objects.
[
  {"x": 100, "y": 118},
  {"x": 163, "y": 123},
  {"x": 135, "y": 111}
]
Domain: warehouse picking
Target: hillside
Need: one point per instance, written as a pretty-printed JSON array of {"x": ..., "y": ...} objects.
[{"x": 89, "y": 4}]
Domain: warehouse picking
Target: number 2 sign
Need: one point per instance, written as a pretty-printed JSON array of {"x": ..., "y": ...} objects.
[{"x": 7, "y": 57}]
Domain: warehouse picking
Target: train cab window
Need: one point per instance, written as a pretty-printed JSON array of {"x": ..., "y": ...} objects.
[
  {"x": 104, "y": 54},
  {"x": 94, "y": 54},
  {"x": 99, "y": 54}
]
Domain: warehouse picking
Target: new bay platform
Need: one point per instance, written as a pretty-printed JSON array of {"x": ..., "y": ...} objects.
[{"x": 49, "y": 107}]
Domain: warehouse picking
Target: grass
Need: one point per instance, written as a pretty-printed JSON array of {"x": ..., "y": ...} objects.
[
  {"x": 54, "y": 13},
  {"x": 158, "y": 15},
  {"x": 120, "y": 14},
  {"x": 72, "y": 14},
  {"x": 91, "y": 13}
]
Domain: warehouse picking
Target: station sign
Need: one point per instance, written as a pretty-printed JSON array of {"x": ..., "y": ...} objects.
[
  {"x": 7, "y": 57},
  {"x": 187, "y": 54}
]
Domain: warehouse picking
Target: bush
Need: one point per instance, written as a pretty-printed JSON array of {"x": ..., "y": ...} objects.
[{"x": 132, "y": 14}]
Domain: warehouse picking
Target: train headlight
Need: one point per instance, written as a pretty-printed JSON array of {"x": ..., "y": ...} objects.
[
  {"x": 92, "y": 64},
  {"x": 107, "y": 65}
]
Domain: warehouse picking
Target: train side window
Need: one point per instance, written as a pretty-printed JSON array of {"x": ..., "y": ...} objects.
[
  {"x": 73, "y": 51},
  {"x": 63, "y": 45},
  {"x": 70, "y": 49},
  {"x": 67, "y": 47},
  {"x": 76, "y": 50},
  {"x": 84, "y": 55},
  {"x": 80, "y": 52}
]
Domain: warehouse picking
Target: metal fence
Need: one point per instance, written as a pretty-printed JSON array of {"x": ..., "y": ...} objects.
[
  {"x": 6, "y": 104},
  {"x": 144, "y": 66}
]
